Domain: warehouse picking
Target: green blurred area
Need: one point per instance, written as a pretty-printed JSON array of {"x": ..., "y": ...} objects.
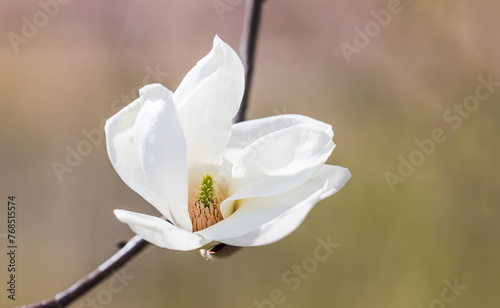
[{"x": 397, "y": 248}]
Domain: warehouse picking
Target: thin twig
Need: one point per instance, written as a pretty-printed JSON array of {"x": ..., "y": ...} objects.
[
  {"x": 119, "y": 259},
  {"x": 247, "y": 50},
  {"x": 137, "y": 244}
]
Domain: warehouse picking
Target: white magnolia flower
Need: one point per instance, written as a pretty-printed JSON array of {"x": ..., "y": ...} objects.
[{"x": 246, "y": 184}]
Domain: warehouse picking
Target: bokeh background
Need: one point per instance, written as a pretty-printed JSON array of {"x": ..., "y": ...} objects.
[{"x": 399, "y": 246}]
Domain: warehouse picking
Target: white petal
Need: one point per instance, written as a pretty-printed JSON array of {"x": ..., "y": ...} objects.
[
  {"x": 246, "y": 132},
  {"x": 274, "y": 230},
  {"x": 337, "y": 177},
  {"x": 124, "y": 156},
  {"x": 162, "y": 150},
  {"x": 278, "y": 162},
  {"x": 258, "y": 221},
  {"x": 160, "y": 232},
  {"x": 207, "y": 100}
]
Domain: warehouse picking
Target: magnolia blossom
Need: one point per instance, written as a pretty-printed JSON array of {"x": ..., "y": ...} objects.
[{"x": 246, "y": 184}]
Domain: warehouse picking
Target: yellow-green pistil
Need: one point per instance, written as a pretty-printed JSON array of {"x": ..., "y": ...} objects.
[{"x": 204, "y": 210}]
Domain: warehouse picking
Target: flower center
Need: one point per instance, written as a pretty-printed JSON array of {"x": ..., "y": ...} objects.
[{"x": 204, "y": 209}]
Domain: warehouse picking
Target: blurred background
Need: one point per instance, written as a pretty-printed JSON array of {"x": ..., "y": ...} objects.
[{"x": 384, "y": 74}]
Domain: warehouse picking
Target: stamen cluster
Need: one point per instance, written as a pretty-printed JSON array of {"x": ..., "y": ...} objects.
[{"x": 204, "y": 210}]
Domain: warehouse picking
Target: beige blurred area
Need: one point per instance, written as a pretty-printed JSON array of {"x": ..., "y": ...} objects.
[{"x": 421, "y": 236}]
